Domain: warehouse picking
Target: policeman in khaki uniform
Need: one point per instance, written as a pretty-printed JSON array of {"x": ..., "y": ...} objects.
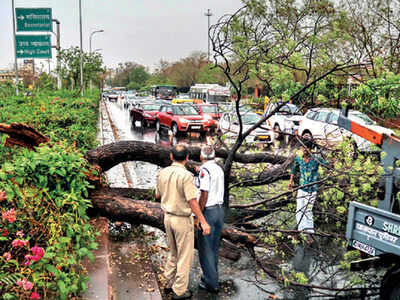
[{"x": 178, "y": 194}]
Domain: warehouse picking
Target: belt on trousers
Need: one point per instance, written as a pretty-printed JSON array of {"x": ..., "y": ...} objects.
[
  {"x": 175, "y": 215},
  {"x": 213, "y": 206}
]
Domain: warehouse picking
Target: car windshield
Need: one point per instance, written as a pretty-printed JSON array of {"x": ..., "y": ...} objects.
[
  {"x": 290, "y": 109},
  {"x": 361, "y": 118},
  {"x": 209, "y": 109},
  {"x": 151, "y": 107},
  {"x": 185, "y": 110},
  {"x": 249, "y": 119}
]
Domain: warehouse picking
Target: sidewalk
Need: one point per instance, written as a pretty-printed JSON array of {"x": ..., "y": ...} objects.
[{"x": 122, "y": 269}]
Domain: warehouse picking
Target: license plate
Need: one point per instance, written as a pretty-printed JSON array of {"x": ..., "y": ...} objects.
[
  {"x": 263, "y": 137},
  {"x": 364, "y": 248},
  {"x": 138, "y": 123},
  {"x": 196, "y": 127}
]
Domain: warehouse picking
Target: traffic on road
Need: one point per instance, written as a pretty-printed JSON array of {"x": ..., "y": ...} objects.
[{"x": 196, "y": 116}]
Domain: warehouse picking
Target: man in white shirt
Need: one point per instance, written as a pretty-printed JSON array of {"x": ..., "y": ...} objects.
[{"x": 211, "y": 185}]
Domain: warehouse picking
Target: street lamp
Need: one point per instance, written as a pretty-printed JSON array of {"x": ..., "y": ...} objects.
[
  {"x": 208, "y": 14},
  {"x": 90, "y": 40}
]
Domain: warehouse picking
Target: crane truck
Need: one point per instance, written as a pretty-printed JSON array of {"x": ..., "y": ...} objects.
[{"x": 376, "y": 230}]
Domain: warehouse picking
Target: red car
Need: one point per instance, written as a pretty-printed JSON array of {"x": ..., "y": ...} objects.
[
  {"x": 181, "y": 118},
  {"x": 145, "y": 113},
  {"x": 210, "y": 112}
]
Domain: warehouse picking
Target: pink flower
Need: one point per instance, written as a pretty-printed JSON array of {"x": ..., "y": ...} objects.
[
  {"x": 26, "y": 284},
  {"x": 19, "y": 243},
  {"x": 3, "y": 196},
  {"x": 7, "y": 256},
  {"x": 35, "y": 296},
  {"x": 38, "y": 253},
  {"x": 27, "y": 262},
  {"x": 9, "y": 215},
  {"x": 20, "y": 233}
]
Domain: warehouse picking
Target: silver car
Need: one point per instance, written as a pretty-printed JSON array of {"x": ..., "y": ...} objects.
[
  {"x": 321, "y": 124},
  {"x": 229, "y": 126}
]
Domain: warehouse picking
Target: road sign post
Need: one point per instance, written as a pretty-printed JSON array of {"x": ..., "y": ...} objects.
[
  {"x": 33, "y": 46},
  {"x": 34, "y": 19}
]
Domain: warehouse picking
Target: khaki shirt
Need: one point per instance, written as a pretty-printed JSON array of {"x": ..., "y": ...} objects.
[{"x": 176, "y": 187}]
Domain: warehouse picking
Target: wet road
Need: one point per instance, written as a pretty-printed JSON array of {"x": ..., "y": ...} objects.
[{"x": 237, "y": 278}]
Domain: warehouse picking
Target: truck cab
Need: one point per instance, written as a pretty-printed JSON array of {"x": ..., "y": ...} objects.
[{"x": 376, "y": 230}]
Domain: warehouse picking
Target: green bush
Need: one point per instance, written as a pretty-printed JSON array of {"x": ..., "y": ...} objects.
[{"x": 44, "y": 229}]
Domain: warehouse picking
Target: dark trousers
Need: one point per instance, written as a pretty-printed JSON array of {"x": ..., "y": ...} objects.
[{"x": 208, "y": 246}]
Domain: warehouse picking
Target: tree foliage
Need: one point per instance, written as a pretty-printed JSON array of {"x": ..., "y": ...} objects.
[
  {"x": 131, "y": 75},
  {"x": 379, "y": 96},
  {"x": 70, "y": 66}
]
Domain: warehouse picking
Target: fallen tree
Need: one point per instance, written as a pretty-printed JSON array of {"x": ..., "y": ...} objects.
[{"x": 135, "y": 205}]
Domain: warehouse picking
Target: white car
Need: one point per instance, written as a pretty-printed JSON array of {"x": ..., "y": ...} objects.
[
  {"x": 287, "y": 119},
  {"x": 229, "y": 125},
  {"x": 321, "y": 124}
]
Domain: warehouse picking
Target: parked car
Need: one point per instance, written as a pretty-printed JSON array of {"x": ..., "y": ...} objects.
[
  {"x": 181, "y": 118},
  {"x": 321, "y": 124},
  {"x": 113, "y": 96},
  {"x": 144, "y": 114},
  {"x": 210, "y": 112},
  {"x": 286, "y": 120},
  {"x": 229, "y": 125}
]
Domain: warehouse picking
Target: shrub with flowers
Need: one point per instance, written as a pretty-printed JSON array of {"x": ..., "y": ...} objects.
[{"x": 44, "y": 230}]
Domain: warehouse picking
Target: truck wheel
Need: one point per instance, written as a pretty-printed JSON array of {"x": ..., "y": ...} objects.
[
  {"x": 174, "y": 128},
  {"x": 390, "y": 286},
  {"x": 158, "y": 126}
]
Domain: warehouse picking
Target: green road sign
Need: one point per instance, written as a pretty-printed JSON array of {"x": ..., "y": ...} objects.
[
  {"x": 34, "y": 19},
  {"x": 33, "y": 46}
]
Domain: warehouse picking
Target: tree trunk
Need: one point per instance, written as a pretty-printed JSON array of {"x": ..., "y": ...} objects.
[
  {"x": 117, "y": 208},
  {"x": 22, "y": 135}
]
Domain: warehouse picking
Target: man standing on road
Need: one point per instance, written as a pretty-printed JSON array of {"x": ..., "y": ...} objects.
[
  {"x": 178, "y": 194},
  {"x": 211, "y": 185},
  {"x": 307, "y": 167}
]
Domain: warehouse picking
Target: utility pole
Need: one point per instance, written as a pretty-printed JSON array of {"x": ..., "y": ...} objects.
[
  {"x": 80, "y": 26},
  {"x": 15, "y": 51},
  {"x": 208, "y": 14},
  {"x": 58, "y": 48}
]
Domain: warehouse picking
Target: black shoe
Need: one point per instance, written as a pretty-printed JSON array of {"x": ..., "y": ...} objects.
[
  {"x": 168, "y": 290},
  {"x": 185, "y": 295},
  {"x": 202, "y": 286}
]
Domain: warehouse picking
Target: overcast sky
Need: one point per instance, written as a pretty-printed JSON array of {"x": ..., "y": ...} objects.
[{"x": 143, "y": 31}]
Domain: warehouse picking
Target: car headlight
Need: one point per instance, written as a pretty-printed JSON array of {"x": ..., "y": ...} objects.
[
  {"x": 147, "y": 115},
  {"x": 183, "y": 120}
]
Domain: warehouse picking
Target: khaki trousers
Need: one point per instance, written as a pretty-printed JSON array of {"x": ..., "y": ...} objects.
[{"x": 180, "y": 236}]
